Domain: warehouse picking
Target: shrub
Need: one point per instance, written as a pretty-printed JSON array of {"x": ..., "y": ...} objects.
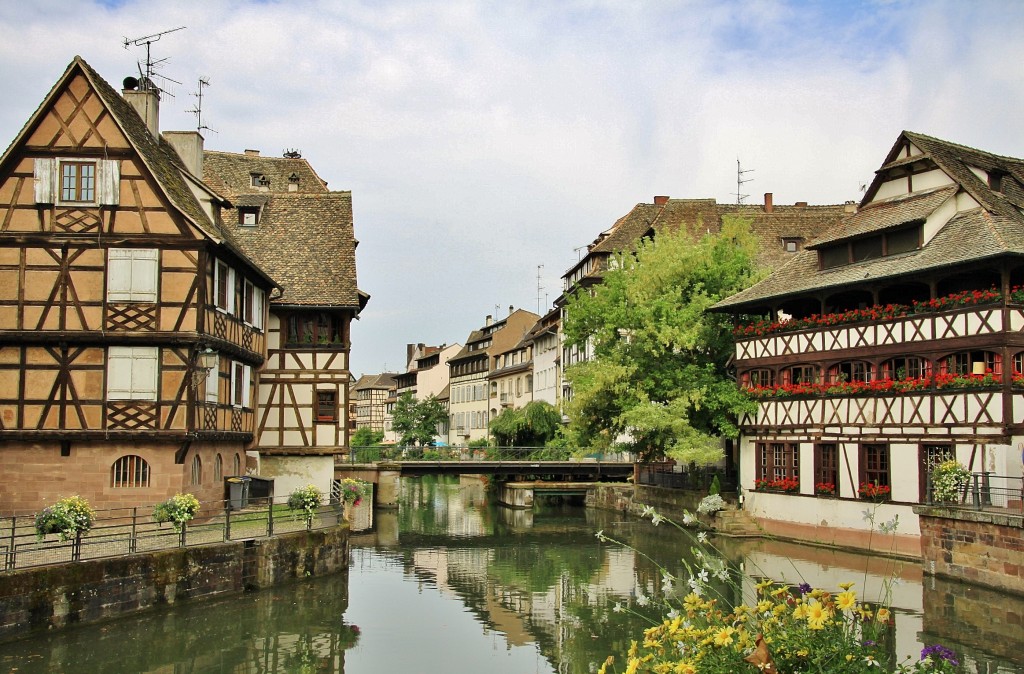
[
  {"x": 306, "y": 499},
  {"x": 68, "y": 517},
  {"x": 710, "y": 504},
  {"x": 177, "y": 510}
]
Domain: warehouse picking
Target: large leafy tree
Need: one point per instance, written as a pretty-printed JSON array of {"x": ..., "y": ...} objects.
[
  {"x": 658, "y": 376},
  {"x": 532, "y": 425},
  {"x": 366, "y": 437},
  {"x": 415, "y": 421}
]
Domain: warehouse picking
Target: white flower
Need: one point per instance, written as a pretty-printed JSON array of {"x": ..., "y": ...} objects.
[
  {"x": 642, "y": 599},
  {"x": 647, "y": 511},
  {"x": 687, "y": 518},
  {"x": 657, "y": 519},
  {"x": 673, "y": 614},
  {"x": 618, "y": 607},
  {"x": 703, "y": 575},
  {"x": 702, "y": 537},
  {"x": 600, "y": 535}
]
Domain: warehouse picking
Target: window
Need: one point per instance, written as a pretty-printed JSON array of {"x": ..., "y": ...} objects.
[
  {"x": 791, "y": 245},
  {"x": 874, "y": 465},
  {"x": 240, "y": 379},
  {"x": 326, "y": 406},
  {"x": 197, "y": 470},
  {"x": 834, "y": 256},
  {"x": 826, "y": 468},
  {"x": 223, "y": 280},
  {"x": 248, "y": 217},
  {"x": 849, "y": 371},
  {"x": 972, "y": 362},
  {"x": 902, "y": 241},
  {"x": 801, "y": 374},
  {"x": 129, "y": 471},
  {"x": 319, "y": 329},
  {"x": 132, "y": 274},
  {"x": 213, "y": 383},
  {"x": 756, "y": 378},
  {"x": 869, "y": 248},
  {"x": 132, "y": 372},
  {"x": 218, "y": 469},
  {"x": 78, "y": 181},
  {"x": 931, "y": 456},
  {"x": 236, "y": 466},
  {"x": 779, "y": 461},
  {"x": 905, "y": 367}
]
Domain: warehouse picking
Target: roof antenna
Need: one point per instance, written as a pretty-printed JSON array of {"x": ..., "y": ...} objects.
[
  {"x": 540, "y": 287},
  {"x": 739, "y": 182},
  {"x": 146, "y": 79},
  {"x": 198, "y": 109}
]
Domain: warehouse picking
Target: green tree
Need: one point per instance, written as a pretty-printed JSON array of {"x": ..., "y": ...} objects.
[
  {"x": 658, "y": 376},
  {"x": 532, "y": 425},
  {"x": 366, "y": 437},
  {"x": 416, "y": 421}
]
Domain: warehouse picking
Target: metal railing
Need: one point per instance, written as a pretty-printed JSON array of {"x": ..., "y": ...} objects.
[
  {"x": 986, "y": 491},
  {"x": 691, "y": 478},
  {"x": 124, "y": 531},
  {"x": 464, "y": 453}
]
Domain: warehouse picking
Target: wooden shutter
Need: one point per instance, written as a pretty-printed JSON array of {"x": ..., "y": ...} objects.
[
  {"x": 108, "y": 182},
  {"x": 45, "y": 174},
  {"x": 132, "y": 372},
  {"x": 132, "y": 274},
  {"x": 213, "y": 383}
]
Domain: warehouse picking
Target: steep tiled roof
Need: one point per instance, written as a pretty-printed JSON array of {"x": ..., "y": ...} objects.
[
  {"x": 888, "y": 213},
  {"x": 304, "y": 238},
  {"x": 383, "y": 380},
  {"x": 994, "y": 229}
]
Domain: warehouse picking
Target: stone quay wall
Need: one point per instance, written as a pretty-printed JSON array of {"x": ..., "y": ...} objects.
[
  {"x": 632, "y": 499},
  {"x": 95, "y": 590},
  {"x": 986, "y": 548}
]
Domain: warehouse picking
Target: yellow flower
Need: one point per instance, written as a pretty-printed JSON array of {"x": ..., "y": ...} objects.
[
  {"x": 685, "y": 668},
  {"x": 634, "y": 664},
  {"x": 846, "y": 600},
  {"x": 802, "y": 653},
  {"x": 846, "y": 586},
  {"x": 800, "y": 612},
  {"x": 764, "y": 605},
  {"x": 816, "y": 616},
  {"x": 632, "y": 649},
  {"x": 723, "y": 637},
  {"x": 779, "y": 591},
  {"x": 883, "y": 615}
]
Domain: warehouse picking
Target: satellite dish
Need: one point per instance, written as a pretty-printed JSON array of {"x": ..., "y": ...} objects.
[{"x": 130, "y": 83}]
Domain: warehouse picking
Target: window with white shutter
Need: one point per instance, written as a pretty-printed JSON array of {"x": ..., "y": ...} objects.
[
  {"x": 213, "y": 383},
  {"x": 77, "y": 181},
  {"x": 132, "y": 372},
  {"x": 132, "y": 274},
  {"x": 241, "y": 377},
  {"x": 224, "y": 284}
]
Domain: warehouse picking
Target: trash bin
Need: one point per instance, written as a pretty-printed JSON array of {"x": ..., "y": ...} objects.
[{"x": 238, "y": 492}]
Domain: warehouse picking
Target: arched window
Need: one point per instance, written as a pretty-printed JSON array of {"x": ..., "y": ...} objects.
[
  {"x": 197, "y": 470},
  {"x": 800, "y": 374},
  {"x": 757, "y": 378},
  {"x": 129, "y": 471},
  {"x": 972, "y": 362},
  {"x": 237, "y": 465},
  {"x": 218, "y": 469},
  {"x": 905, "y": 367}
]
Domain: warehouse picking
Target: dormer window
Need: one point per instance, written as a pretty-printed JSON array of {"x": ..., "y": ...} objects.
[
  {"x": 872, "y": 247},
  {"x": 258, "y": 180},
  {"x": 248, "y": 217},
  {"x": 791, "y": 244},
  {"x": 995, "y": 181}
]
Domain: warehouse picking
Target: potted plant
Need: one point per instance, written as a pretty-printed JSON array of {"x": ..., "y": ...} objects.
[
  {"x": 825, "y": 488},
  {"x": 352, "y": 493},
  {"x": 69, "y": 518},
  {"x": 949, "y": 481},
  {"x": 178, "y": 510},
  {"x": 871, "y": 491},
  {"x": 308, "y": 500}
]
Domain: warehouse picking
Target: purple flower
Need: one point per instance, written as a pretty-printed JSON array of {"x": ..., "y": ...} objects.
[
  {"x": 939, "y": 651},
  {"x": 805, "y": 588}
]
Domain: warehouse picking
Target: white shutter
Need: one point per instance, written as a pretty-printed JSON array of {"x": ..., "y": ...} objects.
[
  {"x": 132, "y": 274},
  {"x": 132, "y": 372},
  {"x": 246, "y": 384},
  {"x": 119, "y": 373},
  {"x": 145, "y": 272},
  {"x": 230, "y": 308},
  {"x": 213, "y": 383},
  {"x": 258, "y": 308},
  {"x": 144, "y": 372},
  {"x": 45, "y": 173},
  {"x": 108, "y": 182},
  {"x": 119, "y": 275}
]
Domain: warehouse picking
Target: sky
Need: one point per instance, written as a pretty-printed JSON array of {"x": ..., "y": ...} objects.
[{"x": 487, "y": 143}]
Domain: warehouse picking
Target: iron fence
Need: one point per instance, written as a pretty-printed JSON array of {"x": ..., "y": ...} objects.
[
  {"x": 123, "y": 531},
  {"x": 985, "y": 491}
]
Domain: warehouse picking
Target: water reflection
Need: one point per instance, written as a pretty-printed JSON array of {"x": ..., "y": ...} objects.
[{"x": 453, "y": 583}]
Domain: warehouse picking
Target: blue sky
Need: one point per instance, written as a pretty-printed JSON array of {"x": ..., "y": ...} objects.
[{"x": 482, "y": 139}]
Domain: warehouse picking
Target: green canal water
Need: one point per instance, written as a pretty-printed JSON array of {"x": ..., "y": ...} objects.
[{"x": 452, "y": 583}]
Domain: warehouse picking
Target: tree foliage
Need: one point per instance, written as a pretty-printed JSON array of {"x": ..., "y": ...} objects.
[
  {"x": 366, "y": 437},
  {"x": 416, "y": 421},
  {"x": 658, "y": 375},
  {"x": 532, "y": 425}
]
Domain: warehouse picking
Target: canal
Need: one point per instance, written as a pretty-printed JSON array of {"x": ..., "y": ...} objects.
[{"x": 452, "y": 583}]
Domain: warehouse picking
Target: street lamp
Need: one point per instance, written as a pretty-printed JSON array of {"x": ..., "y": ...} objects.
[{"x": 205, "y": 361}]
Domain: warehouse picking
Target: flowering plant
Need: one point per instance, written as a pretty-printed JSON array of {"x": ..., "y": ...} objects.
[
  {"x": 307, "y": 499},
  {"x": 874, "y": 492},
  {"x": 69, "y": 517},
  {"x": 761, "y": 328},
  {"x": 941, "y": 381},
  {"x": 827, "y": 488},
  {"x": 710, "y": 504},
  {"x": 949, "y": 479},
  {"x": 784, "y": 484},
  {"x": 177, "y": 510},
  {"x": 353, "y": 491},
  {"x": 778, "y": 628}
]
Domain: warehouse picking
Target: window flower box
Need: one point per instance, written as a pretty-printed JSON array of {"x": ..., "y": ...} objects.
[
  {"x": 878, "y": 493},
  {"x": 825, "y": 489},
  {"x": 786, "y": 485}
]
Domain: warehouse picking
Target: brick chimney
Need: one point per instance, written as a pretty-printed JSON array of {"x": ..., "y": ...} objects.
[
  {"x": 252, "y": 153},
  {"x": 801, "y": 204},
  {"x": 660, "y": 201},
  {"x": 768, "y": 206}
]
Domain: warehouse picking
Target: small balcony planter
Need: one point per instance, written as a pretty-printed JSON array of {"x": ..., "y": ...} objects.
[
  {"x": 825, "y": 489},
  {"x": 778, "y": 486},
  {"x": 876, "y": 493}
]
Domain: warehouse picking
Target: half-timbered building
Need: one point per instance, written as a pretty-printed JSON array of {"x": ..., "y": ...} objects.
[
  {"x": 285, "y": 218},
  {"x": 891, "y": 342},
  {"x": 131, "y": 321}
]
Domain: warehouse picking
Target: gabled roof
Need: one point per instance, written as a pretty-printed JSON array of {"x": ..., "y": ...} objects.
[
  {"x": 304, "y": 238},
  {"x": 383, "y": 380},
  {"x": 993, "y": 229}
]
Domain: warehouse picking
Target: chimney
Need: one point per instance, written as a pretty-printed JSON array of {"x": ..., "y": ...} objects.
[
  {"x": 146, "y": 102},
  {"x": 189, "y": 146},
  {"x": 488, "y": 320},
  {"x": 801, "y": 204},
  {"x": 850, "y": 207},
  {"x": 410, "y": 351},
  {"x": 660, "y": 201},
  {"x": 768, "y": 207},
  {"x": 252, "y": 153},
  {"x": 511, "y": 309}
]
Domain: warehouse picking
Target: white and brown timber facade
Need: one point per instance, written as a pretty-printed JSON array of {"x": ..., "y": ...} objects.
[{"x": 877, "y": 398}]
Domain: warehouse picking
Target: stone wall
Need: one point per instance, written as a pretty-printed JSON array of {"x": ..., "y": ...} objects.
[
  {"x": 95, "y": 590},
  {"x": 980, "y": 547},
  {"x": 632, "y": 499}
]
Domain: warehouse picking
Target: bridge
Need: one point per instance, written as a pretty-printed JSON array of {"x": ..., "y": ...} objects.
[{"x": 553, "y": 476}]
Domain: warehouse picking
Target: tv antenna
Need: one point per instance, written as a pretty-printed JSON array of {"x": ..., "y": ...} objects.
[
  {"x": 151, "y": 66},
  {"x": 540, "y": 287},
  {"x": 198, "y": 109},
  {"x": 740, "y": 172}
]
